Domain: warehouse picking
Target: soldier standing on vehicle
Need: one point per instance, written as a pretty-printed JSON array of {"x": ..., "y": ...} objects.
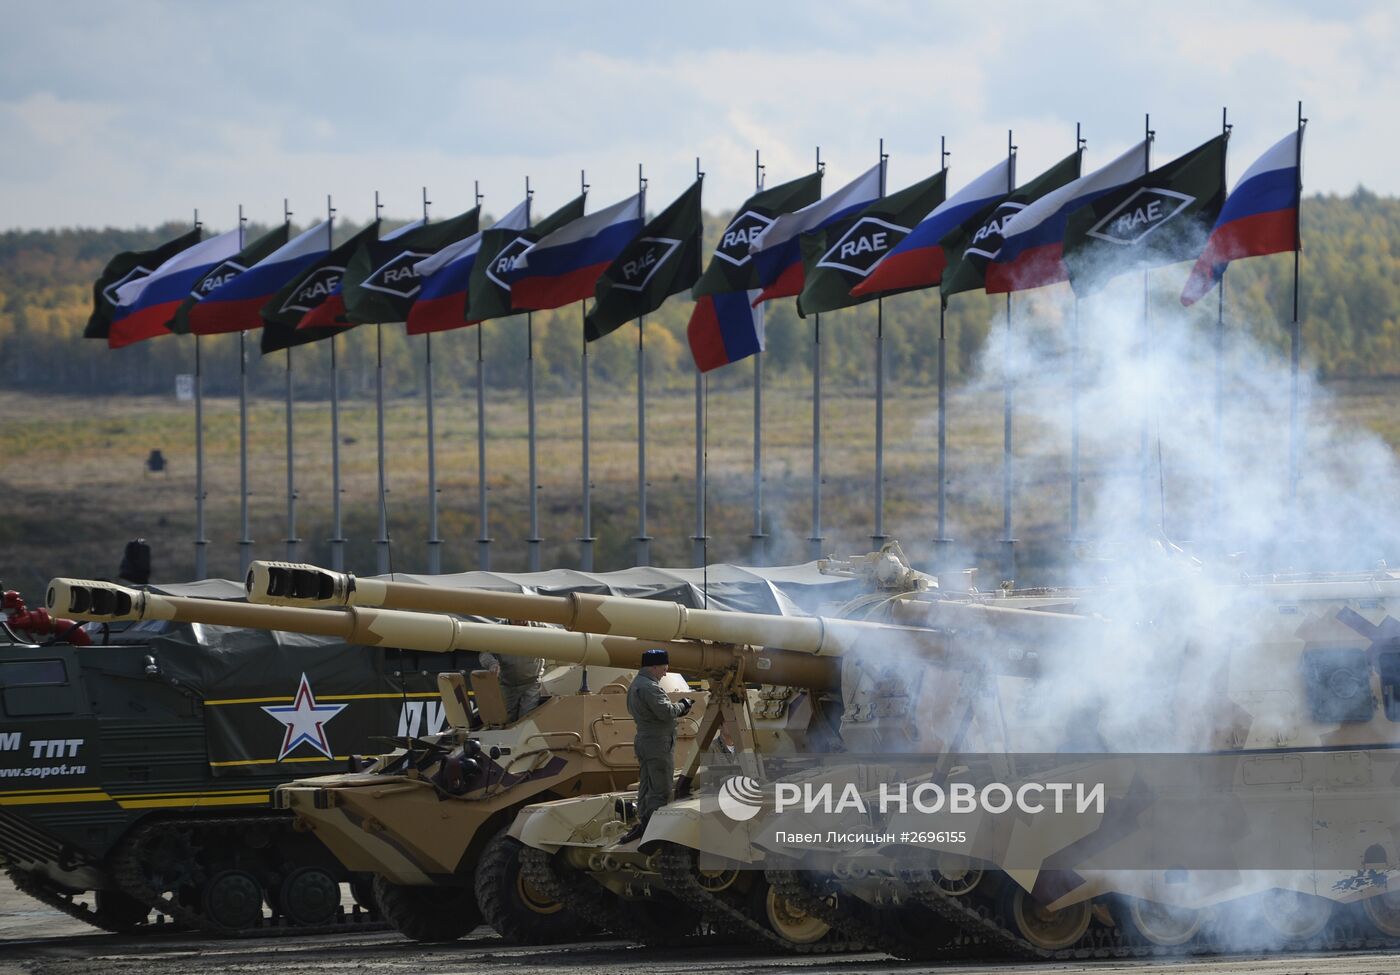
[
  {"x": 519, "y": 678},
  {"x": 655, "y": 714}
]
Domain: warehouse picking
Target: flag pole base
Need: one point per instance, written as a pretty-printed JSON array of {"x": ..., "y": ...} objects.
[
  {"x": 815, "y": 547},
  {"x": 585, "y": 552},
  {"x": 245, "y": 555},
  {"x": 483, "y": 553},
  {"x": 292, "y": 544},
  {"x": 758, "y": 548},
  {"x": 435, "y": 556},
  {"x": 879, "y": 540},
  {"x": 698, "y": 545},
  {"x": 941, "y": 547},
  {"x": 1008, "y": 563},
  {"x": 381, "y": 555},
  {"x": 337, "y": 553},
  {"x": 643, "y": 549},
  {"x": 534, "y": 552}
]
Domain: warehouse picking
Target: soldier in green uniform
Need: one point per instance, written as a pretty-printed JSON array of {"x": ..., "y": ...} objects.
[
  {"x": 520, "y": 682},
  {"x": 655, "y": 744}
]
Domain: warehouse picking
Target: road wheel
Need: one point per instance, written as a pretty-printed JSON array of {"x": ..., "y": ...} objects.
[
  {"x": 309, "y": 897},
  {"x": 362, "y": 888},
  {"x": 512, "y": 905},
  {"x": 1383, "y": 911},
  {"x": 427, "y": 913},
  {"x": 787, "y": 920},
  {"x": 1046, "y": 929},
  {"x": 1163, "y": 924},
  {"x": 233, "y": 899},
  {"x": 1296, "y": 916}
]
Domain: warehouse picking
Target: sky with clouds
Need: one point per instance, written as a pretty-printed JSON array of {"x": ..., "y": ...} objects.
[{"x": 134, "y": 113}]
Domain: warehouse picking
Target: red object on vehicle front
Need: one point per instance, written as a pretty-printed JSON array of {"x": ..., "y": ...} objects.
[{"x": 38, "y": 622}]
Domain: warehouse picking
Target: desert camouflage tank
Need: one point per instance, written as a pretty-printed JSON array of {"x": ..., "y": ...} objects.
[
  {"x": 429, "y": 819},
  {"x": 1241, "y": 734}
]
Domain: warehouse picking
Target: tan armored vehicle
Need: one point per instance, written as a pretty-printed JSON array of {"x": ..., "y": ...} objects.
[
  {"x": 1243, "y": 734},
  {"x": 429, "y": 818}
]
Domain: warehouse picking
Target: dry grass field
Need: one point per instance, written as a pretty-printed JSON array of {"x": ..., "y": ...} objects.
[{"x": 75, "y": 487}]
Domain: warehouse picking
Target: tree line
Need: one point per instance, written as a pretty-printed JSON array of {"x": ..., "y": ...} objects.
[{"x": 1350, "y": 299}]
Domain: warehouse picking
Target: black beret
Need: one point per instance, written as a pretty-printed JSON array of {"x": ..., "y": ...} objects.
[{"x": 653, "y": 658}]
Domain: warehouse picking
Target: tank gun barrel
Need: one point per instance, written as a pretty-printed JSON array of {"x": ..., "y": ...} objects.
[
  {"x": 292, "y": 584},
  {"x": 437, "y": 632}
]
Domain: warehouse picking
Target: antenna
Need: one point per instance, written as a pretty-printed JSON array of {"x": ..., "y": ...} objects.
[
  {"x": 821, "y": 166},
  {"x": 426, "y": 203},
  {"x": 943, "y": 152},
  {"x": 286, "y": 212}
]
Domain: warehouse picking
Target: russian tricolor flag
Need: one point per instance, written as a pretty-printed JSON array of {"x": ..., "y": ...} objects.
[
  {"x": 777, "y": 253},
  {"x": 725, "y": 328},
  {"x": 145, "y": 305},
  {"x": 564, "y": 267},
  {"x": 1032, "y": 253},
  {"x": 442, "y": 302},
  {"x": 237, "y": 304},
  {"x": 1260, "y": 217},
  {"x": 918, "y": 260}
]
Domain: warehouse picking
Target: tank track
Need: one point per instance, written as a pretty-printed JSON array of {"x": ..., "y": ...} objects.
[
  {"x": 585, "y": 899},
  {"x": 126, "y": 864},
  {"x": 1344, "y": 932},
  {"x": 46, "y": 892},
  {"x": 813, "y": 893},
  {"x": 677, "y": 867}
]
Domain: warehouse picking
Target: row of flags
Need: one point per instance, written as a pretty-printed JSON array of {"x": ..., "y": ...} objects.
[{"x": 857, "y": 244}]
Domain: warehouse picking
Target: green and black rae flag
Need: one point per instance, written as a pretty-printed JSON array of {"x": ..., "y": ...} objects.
[
  {"x": 836, "y": 258},
  {"x": 227, "y": 271},
  {"x": 380, "y": 279},
  {"x": 129, "y": 266},
  {"x": 1160, "y": 218},
  {"x": 663, "y": 260},
  {"x": 285, "y": 310},
  {"x": 971, "y": 247},
  {"x": 488, "y": 292},
  {"x": 731, "y": 268}
]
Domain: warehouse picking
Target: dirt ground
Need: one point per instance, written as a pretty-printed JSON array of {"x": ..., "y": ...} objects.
[{"x": 35, "y": 939}]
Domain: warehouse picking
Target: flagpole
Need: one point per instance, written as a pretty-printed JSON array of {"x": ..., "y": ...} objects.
[
  {"x": 1079, "y": 143},
  {"x": 1146, "y": 439},
  {"x": 815, "y": 539},
  {"x": 879, "y": 537},
  {"x": 1219, "y": 438},
  {"x": 201, "y": 544},
  {"x": 585, "y": 542},
  {"x": 533, "y": 542},
  {"x": 434, "y": 542},
  {"x": 698, "y": 540},
  {"x": 291, "y": 538},
  {"x": 382, "y": 542},
  {"x": 940, "y": 542},
  {"x": 337, "y": 538},
  {"x": 1008, "y": 543},
  {"x": 643, "y": 540},
  {"x": 483, "y": 541},
  {"x": 245, "y": 543},
  {"x": 758, "y": 548},
  {"x": 1296, "y": 350}
]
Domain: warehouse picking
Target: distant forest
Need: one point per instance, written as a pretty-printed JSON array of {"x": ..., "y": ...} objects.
[{"x": 1350, "y": 303}]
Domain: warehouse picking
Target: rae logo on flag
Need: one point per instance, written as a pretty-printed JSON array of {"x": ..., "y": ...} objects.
[
  {"x": 316, "y": 289},
  {"x": 397, "y": 276},
  {"x": 863, "y": 245},
  {"x": 742, "y": 231},
  {"x": 504, "y": 261},
  {"x": 110, "y": 292},
  {"x": 1140, "y": 214},
  {"x": 988, "y": 239},
  {"x": 644, "y": 260},
  {"x": 222, "y": 274}
]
